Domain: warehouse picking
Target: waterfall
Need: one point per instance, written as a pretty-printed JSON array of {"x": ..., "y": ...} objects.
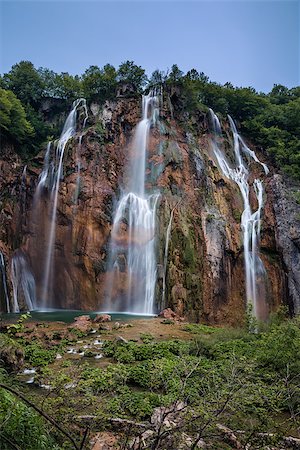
[
  {"x": 132, "y": 259},
  {"x": 78, "y": 154},
  {"x": 4, "y": 282},
  {"x": 24, "y": 291},
  {"x": 250, "y": 220},
  {"x": 49, "y": 179}
]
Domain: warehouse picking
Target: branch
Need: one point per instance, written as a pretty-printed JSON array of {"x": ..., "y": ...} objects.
[{"x": 39, "y": 411}]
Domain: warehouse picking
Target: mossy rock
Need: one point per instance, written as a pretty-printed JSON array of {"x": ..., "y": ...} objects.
[{"x": 11, "y": 354}]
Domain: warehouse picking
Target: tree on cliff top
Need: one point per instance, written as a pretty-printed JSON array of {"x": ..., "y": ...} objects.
[
  {"x": 13, "y": 122},
  {"x": 99, "y": 84},
  {"x": 130, "y": 73},
  {"x": 25, "y": 82}
]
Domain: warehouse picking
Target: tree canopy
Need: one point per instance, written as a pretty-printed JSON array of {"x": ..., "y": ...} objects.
[{"x": 271, "y": 121}]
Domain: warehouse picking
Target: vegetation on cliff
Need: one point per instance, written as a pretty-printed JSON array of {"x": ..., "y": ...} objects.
[
  {"x": 271, "y": 120},
  {"x": 189, "y": 379}
]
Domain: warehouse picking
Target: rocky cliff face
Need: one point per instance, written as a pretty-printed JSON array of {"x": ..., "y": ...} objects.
[{"x": 204, "y": 277}]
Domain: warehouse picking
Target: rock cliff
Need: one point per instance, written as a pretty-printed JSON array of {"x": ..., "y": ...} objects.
[{"x": 204, "y": 276}]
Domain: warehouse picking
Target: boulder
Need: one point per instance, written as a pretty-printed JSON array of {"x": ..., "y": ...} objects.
[
  {"x": 82, "y": 323},
  {"x": 100, "y": 318},
  {"x": 168, "y": 313}
]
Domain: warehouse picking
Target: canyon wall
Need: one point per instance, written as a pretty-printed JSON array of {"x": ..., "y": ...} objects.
[{"x": 204, "y": 277}]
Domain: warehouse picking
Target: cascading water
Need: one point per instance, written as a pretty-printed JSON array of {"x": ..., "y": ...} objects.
[
  {"x": 4, "y": 282},
  {"x": 24, "y": 291},
  {"x": 133, "y": 261},
  {"x": 250, "y": 220},
  {"x": 78, "y": 154},
  {"x": 50, "y": 178}
]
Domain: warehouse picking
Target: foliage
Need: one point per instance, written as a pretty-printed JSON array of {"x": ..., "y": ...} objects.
[
  {"x": 244, "y": 380},
  {"x": 25, "y": 81},
  {"x": 37, "y": 355},
  {"x": 13, "y": 120},
  {"x": 131, "y": 73},
  {"x": 271, "y": 120},
  {"x": 22, "y": 426},
  {"x": 19, "y": 326},
  {"x": 99, "y": 84}
]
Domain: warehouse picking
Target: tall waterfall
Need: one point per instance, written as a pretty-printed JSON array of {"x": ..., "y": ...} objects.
[
  {"x": 4, "y": 282},
  {"x": 50, "y": 178},
  {"x": 131, "y": 286},
  {"x": 238, "y": 171}
]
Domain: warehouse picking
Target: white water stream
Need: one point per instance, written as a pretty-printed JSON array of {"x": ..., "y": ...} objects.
[
  {"x": 239, "y": 172},
  {"x": 133, "y": 233}
]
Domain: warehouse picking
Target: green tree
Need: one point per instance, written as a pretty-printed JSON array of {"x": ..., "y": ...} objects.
[
  {"x": 25, "y": 81},
  {"x": 13, "y": 121},
  {"x": 99, "y": 84},
  {"x": 68, "y": 87},
  {"x": 175, "y": 74},
  {"x": 129, "y": 72}
]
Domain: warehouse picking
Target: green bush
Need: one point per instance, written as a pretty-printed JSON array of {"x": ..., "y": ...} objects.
[{"x": 23, "y": 427}]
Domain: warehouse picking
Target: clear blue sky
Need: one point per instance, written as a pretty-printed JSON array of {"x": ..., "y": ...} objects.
[{"x": 246, "y": 42}]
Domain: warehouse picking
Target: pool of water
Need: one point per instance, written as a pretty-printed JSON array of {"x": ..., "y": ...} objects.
[{"x": 68, "y": 316}]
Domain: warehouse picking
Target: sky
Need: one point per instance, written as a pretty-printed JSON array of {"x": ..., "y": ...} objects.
[{"x": 248, "y": 43}]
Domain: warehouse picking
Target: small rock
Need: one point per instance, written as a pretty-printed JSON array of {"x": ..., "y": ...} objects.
[
  {"x": 116, "y": 326},
  {"x": 121, "y": 339},
  {"x": 104, "y": 327}
]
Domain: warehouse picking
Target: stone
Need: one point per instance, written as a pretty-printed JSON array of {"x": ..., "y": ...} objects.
[
  {"x": 121, "y": 339},
  {"x": 169, "y": 314},
  {"x": 104, "y": 441},
  {"x": 100, "y": 318},
  {"x": 82, "y": 323}
]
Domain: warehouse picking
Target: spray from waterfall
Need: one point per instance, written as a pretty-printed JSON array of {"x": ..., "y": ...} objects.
[
  {"x": 4, "y": 282},
  {"x": 132, "y": 260},
  {"x": 24, "y": 290},
  {"x": 238, "y": 171}
]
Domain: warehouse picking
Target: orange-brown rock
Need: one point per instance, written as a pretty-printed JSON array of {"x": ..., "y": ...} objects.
[{"x": 205, "y": 276}]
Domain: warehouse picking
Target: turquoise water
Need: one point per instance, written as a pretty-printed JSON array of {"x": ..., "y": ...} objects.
[{"x": 68, "y": 316}]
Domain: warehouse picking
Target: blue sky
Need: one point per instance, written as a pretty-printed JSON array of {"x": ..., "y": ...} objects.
[{"x": 249, "y": 43}]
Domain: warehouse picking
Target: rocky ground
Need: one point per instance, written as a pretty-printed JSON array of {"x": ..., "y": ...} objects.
[{"x": 156, "y": 383}]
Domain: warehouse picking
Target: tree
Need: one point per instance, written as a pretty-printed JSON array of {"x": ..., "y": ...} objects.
[
  {"x": 99, "y": 84},
  {"x": 158, "y": 78},
  {"x": 68, "y": 86},
  {"x": 129, "y": 72},
  {"x": 25, "y": 82},
  {"x": 13, "y": 122},
  {"x": 50, "y": 82},
  {"x": 175, "y": 74}
]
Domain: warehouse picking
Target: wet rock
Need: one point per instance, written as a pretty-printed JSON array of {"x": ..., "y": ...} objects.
[
  {"x": 100, "y": 318},
  {"x": 169, "y": 314},
  {"x": 82, "y": 323},
  {"x": 287, "y": 212}
]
